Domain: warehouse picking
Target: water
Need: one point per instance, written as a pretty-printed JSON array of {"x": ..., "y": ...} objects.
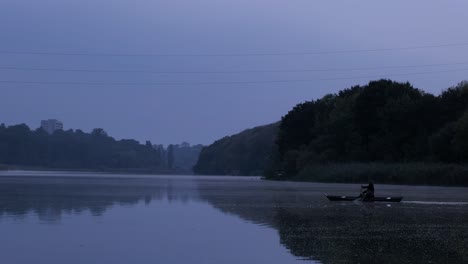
[{"x": 100, "y": 218}]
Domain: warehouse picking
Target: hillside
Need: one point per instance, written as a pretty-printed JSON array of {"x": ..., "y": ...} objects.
[{"x": 246, "y": 153}]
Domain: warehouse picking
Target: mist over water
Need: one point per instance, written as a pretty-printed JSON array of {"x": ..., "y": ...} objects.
[{"x": 82, "y": 218}]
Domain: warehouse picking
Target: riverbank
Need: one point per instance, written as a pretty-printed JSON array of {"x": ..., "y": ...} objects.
[
  {"x": 436, "y": 174},
  {"x": 4, "y": 167}
]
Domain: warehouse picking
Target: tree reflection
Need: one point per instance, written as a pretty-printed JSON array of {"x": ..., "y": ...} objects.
[
  {"x": 356, "y": 233},
  {"x": 384, "y": 235},
  {"x": 51, "y": 197},
  {"x": 308, "y": 226}
]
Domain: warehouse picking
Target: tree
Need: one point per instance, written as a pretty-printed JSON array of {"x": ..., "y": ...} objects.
[
  {"x": 460, "y": 138},
  {"x": 170, "y": 156}
]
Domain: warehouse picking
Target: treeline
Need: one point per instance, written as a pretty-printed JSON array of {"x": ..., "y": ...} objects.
[
  {"x": 74, "y": 149},
  {"x": 386, "y": 131},
  {"x": 179, "y": 158},
  {"x": 381, "y": 122},
  {"x": 246, "y": 153}
]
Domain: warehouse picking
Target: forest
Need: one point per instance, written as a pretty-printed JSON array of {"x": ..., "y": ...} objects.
[
  {"x": 385, "y": 131},
  {"x": 246, "y": 153},
  {"x": 21, "y": 147}
]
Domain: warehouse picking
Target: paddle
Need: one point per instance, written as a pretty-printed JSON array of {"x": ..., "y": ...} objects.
[{"x": 361, "y": 193}]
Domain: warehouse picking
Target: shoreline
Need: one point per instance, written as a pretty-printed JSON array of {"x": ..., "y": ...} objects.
[
  {"x": 5, "y": 168},
  {"x": 408, "y": 174},
  {"x": 415, "y": 173},
  {"x": 360, "y": 183}
]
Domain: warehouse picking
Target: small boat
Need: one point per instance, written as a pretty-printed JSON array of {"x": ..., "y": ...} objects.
[{"x": 395, "y": 199}]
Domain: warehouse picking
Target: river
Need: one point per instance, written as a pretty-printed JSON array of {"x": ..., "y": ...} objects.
[{"x": 63, "y": 217}]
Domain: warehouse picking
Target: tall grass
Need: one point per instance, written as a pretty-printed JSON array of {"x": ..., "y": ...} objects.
[{"x": 387, "y": 173}]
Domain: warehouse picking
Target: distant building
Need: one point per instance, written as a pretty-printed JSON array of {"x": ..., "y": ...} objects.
[{"x": 51, "y": 125}]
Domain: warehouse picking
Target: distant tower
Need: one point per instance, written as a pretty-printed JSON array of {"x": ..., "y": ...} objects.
[{"x": 51, "y": 125}]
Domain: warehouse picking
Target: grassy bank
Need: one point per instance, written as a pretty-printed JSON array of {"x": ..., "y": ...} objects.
[{"x": 387, "y": 173}]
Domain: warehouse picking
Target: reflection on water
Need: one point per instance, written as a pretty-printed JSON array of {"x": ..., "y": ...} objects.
[
  {"x": 184, "y": 219},
  {"x": 49, "y": 197},
  {"x": 389, "y": 235}
]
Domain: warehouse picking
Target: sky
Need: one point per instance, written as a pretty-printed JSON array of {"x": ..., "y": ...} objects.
[{"x": 183, "y": 70}]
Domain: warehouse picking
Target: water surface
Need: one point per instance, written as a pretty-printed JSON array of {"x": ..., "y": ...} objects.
[{"x": 102, "y": 218}]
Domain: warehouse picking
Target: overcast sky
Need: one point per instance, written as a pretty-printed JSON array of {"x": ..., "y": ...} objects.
[{"x": 106, "y": 70}]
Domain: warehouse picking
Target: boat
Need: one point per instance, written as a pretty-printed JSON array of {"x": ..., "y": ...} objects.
[{"x": 390, "y": 199}]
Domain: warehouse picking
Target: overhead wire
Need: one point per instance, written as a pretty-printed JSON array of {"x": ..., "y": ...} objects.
[
  {"x": 221, "y": 83},
  {"x": 94, "y": 54},
  {"x": 227, "y": 72}
]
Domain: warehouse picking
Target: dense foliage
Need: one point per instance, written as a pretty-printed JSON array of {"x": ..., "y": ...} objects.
[
  {"x": 70, "y": 149},
  {"x": 383, "y": 121},
  {"x": 246, "y": 153}
]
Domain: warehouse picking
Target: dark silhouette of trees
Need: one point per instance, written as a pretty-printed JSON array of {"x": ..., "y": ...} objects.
[
  {"x": 246, "y": 153},
  {"x": 383, "y": 121},
  {"x": 185, "y": 157},
  {"x": 364, "y": 128},
  {"x": 70, "y": 149},
  {"x": 170, "y": 156}
]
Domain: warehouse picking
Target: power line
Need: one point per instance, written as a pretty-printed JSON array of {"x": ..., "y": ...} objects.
[
  {"x": 221, "y": 83},
  {"x": 225, "y": 72},
  {"x": 90, "y": 54}
]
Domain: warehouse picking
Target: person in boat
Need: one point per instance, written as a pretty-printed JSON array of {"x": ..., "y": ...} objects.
[{"x": 368, "y": 192}]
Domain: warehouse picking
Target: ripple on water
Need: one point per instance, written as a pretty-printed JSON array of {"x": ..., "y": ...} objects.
[{"x": 435, "y": 203}]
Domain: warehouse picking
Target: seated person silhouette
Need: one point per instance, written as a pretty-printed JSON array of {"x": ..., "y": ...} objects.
[{"x": 368, "y": 192}]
